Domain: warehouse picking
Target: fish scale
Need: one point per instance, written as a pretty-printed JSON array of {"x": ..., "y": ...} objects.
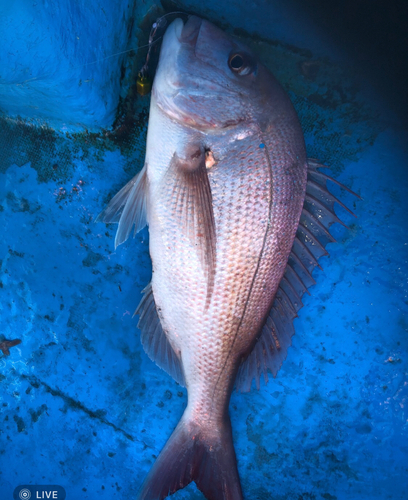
[
  {"x": 235, "y": 265},
  {"x": 238, "y": 218},
  {"x": 253, "y": 205}
]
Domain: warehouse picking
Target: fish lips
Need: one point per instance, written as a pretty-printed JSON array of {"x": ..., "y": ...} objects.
[{"x": 190, "y": 31}]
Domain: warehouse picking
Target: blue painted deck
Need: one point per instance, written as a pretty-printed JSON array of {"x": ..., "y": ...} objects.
[{"x": 81, "y": 405}]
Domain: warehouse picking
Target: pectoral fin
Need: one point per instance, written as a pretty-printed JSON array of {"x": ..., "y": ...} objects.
[
  {"x": 190, "y": 200},
  {"x": 128, "y": 208}
]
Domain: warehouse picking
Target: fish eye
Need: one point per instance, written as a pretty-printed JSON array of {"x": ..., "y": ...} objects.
[
  {"x": 241, "y": 63},
  {"x": 236, "y": 62}
]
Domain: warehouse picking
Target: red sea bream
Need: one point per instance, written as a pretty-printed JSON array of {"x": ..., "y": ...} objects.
[{"x": 238, "y": 217}]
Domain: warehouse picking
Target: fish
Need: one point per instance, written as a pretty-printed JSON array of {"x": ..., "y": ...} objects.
[{"x": 238, "y": 217}]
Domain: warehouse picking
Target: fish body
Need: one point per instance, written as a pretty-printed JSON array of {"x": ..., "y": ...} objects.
[
  {"x": 222, "y": 190},
  {"x": 257, "y": 188}
]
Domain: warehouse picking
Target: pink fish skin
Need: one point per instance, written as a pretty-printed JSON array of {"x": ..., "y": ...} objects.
[
  {"x": 222, "y": 191},
  {"x": 220, "y": 233}
]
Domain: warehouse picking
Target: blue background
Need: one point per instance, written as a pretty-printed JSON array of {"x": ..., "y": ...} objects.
[{"x": 81, "y": 404}]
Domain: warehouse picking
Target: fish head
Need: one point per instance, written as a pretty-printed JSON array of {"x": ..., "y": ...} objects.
[{"x": 207, "y": 80}]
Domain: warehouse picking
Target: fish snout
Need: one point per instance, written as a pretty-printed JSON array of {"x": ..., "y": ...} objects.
[{"x": 190, "y": 30}]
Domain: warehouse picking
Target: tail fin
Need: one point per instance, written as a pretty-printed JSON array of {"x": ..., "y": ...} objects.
[{"x": 194, "y": 453}]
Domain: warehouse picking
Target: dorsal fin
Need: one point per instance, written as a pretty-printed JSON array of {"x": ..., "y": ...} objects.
[
  {"x": 128, "y": 208},
  {"x": 312, "y": 236},
  {"x": 153, "y": 337}
]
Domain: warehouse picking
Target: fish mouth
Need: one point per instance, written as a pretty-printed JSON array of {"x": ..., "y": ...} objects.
[
  {"x": 190, "y": 30},
  {"x": 168, "y": 81},
  {"x": 182, "y": 87}
]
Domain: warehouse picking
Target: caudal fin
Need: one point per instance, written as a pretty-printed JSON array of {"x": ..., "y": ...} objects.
[{"x": 194, "y": 453}]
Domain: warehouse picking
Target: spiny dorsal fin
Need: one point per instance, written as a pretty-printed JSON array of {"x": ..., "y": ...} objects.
[
  {"x": 312, "y": 236},
  {"x": 153, "y": 337},
  {"x": 128, "y": 208}
]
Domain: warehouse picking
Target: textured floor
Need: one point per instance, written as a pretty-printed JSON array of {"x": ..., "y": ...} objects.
[{"x": 81, "y": 404}]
